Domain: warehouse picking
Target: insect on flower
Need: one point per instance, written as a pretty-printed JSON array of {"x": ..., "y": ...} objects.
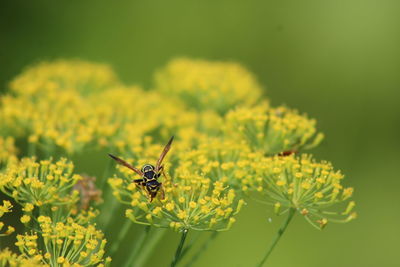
[{"x": 149, "y": 174}]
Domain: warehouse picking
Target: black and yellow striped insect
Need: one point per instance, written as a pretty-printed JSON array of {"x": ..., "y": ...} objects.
[{"x": 149, "y": 173}]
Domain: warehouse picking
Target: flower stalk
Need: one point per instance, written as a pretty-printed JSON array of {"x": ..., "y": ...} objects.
[
  {"x": 278, "y": 235},
  {"x": 179, "y": 249}
]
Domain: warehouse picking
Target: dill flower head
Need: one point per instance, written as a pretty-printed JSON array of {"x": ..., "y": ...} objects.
[
  {"x": 8, "y": 258},
  {"x": 273, "y": 130},
  {"x": 55, "y": 119},
  {"x": 64, "y": 244},
  {"x": 311, "y": 187},
  {"x": 39, "y": 183},
  {"x": 127, "y": 124},
  {"x": 223, "y": 160},
  {"x": 60, "y": 75},
  {"x": 5, "y": 208},
  {"x": 53, "y": 110},
  {"x": 194, "y": 202},
  {"x": 205, "y": 85},
  {"x": 115, "y": 118}
]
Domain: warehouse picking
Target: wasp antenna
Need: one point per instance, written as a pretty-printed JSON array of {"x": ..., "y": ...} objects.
[
  {"x": 112, "y": 156},
  {"x": 170, "y": 140},
  {"x": 126, "y": 164}
]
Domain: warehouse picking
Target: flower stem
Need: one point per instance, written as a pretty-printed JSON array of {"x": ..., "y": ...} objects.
[
  {"x": 278, "y": 235},
  {"x": 179, "y": 249}
]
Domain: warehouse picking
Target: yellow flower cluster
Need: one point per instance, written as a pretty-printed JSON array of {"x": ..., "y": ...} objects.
[
  {"x": 64, "y": 244},
  {"x": 5, "y": 208},
  {"x": 57, "y": 76},
  {"x": 194, "y": 202},
  {"x": 33, "y": 183},
  {"x": 223, "y": 160},
  {"x": 9, "y": 259},
  {"x": 205, "y": 85},
  {"x": 310, "y": 187},
  {"x": 273, "y": 130},
  {"x": 54, "y": 108}
]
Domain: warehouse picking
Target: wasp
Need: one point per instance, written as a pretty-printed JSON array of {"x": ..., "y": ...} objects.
[{"x": 149, "y": 173}]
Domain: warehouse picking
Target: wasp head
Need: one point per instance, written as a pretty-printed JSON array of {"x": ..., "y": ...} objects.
[
  {"x": 147, "y": 168},
  {"x": 149, "y": 171}
]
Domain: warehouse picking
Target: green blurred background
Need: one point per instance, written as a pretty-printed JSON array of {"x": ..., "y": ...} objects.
[{"x": 338, "y": 61}]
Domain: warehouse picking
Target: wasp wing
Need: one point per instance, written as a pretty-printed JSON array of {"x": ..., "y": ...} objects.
[
  {"x": 126, "y": 164},
  {"x": 163, "y": 153}
]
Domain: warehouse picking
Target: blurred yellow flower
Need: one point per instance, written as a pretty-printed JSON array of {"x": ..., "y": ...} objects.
[
  {"x": 8, "y": 258},
  {"x": 60, "y": 75},
  {"x": 272, "y": 130},
  {"x": 8, "y": 150},
  {"x": 208, "y": 85}
]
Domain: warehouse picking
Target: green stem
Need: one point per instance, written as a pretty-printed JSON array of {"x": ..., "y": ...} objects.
[
  {"x": 138, "y": 245},
  {"x": 125, "y": 228},
  {"x": 179, "y": 249},
  {"x": 202, "y": 248},
  {"x": 189, "y": 246},
  {"x": 278, "y": 235}
]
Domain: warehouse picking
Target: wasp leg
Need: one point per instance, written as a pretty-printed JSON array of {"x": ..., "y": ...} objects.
[
  {"x": 161, "y": 169},
  {"x": 138, "y": 181},
  {"x": 152, "y": 195}
]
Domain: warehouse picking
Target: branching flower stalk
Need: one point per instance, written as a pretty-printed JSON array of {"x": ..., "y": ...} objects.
[
  {"x": 278, "y": 235},
  {"x": 178, "y": 252}
]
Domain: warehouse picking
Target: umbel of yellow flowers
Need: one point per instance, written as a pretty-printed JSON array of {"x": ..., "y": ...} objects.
[
  {"x": 191, "y": 202},
  {"x": 39, "y": 183},
  {"x": 65, "y": 237},
  {"x": 308, "y": 186},
  {"x": 205, "y": 85}
]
